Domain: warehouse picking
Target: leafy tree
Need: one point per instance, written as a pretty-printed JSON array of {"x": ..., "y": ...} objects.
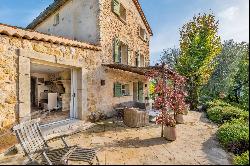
[
  {"x": 239, "y": 92},
  {"x": 170, "y": 57},
  {"x": 230, "y": 77},
  {"x": 199, "y": 46}
]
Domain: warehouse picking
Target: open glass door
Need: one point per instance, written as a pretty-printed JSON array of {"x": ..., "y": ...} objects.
[{"x": 73, "y": 103}]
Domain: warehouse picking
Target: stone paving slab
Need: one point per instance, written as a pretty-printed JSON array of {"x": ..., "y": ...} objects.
[{"x": 117, "y": 144}]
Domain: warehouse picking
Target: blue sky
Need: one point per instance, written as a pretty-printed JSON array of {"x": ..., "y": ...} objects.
[{"x": 166, "y": 17}]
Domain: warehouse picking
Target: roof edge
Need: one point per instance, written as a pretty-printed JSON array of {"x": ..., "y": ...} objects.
[
  {"x": 52, "y": 8},
  {"x": 38, "y": 36},
  {"x": 58, "y": 3}
]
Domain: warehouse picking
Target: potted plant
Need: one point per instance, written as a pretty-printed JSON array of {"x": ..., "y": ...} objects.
[
  {"x": 178, "y": 116},
  {"x": 169, "y": 126}
]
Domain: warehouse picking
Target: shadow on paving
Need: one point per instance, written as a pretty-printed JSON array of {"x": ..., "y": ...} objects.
[
  {"x": 114, "y": 126},
  {"x": 211, "y": 147},
  {"x": 137, "y": 142}
]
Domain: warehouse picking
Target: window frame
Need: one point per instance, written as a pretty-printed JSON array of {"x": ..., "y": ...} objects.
[
  {"x": 125, "y": 90},
  {"x": 56, "y": 19},
  {"x": 144, "y": 37},
  {"x": 118, "y": 49},
  {"x": 121, "y": 6}
]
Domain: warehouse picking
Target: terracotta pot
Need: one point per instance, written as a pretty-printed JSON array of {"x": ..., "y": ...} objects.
[
  {"x": 169, "y": 133},
  {"x": 179, "y": 118},
  {"x": 186, "y": 112}
]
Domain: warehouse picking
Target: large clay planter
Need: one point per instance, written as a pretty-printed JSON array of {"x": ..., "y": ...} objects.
[
  {"x": 179, "y": 118},
  {"x": 135, "y": 118},
  {"x": 169, "y": 133},
  {"x": 186, "y": 112}
]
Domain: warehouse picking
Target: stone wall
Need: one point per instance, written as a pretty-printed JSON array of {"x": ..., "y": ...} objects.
[
  {"x": 99, "y": 98},
  {"x": 77, "y": 21},
  {"x": 9, "y": 46}
]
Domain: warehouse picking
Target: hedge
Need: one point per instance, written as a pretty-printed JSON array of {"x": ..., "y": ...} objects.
[
  {"x": 234, "y": 136},
  {"x": 223, "y": 112}
]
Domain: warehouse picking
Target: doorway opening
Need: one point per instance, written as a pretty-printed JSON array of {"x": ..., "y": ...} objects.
[{"x": 50, "y": 93}]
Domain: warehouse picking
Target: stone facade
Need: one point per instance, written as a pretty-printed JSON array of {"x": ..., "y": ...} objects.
[
  {"x": 13, "y": 67},
  {"x": 111, "y": 26},
  {"x": 18, "y": 51}
]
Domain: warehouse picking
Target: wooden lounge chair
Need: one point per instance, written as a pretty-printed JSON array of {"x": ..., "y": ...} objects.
[{"x": 38, "y": 152}]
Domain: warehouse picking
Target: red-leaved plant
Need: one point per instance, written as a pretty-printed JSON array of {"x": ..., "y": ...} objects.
[{"x": 169, "y": 92}]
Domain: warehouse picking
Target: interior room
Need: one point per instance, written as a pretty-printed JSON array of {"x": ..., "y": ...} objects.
[{"x": 50, "y": 93}]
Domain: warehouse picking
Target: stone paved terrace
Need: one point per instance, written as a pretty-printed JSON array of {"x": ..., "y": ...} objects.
[{"x": 118, "y": 144}]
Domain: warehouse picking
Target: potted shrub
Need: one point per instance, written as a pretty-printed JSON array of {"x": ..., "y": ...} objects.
[
  {"x": 169, "y": 126},
  {"x": 178, "y": 116}
]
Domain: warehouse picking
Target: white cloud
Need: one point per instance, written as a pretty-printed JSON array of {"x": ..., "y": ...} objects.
[
  {"x": 234, "y": 21},
  {"x": 230, "y": 13}
]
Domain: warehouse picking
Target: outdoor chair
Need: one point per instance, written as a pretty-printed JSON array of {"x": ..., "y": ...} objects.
[{"x": 37, "y": 150}]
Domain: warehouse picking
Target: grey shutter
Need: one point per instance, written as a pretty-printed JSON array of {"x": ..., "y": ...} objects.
[
  {"x": 116, "y": 7},
  {"x": 117, "y": 89}
]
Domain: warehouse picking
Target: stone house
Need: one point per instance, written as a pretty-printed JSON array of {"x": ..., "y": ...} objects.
[{"x": 82, "y": 56}]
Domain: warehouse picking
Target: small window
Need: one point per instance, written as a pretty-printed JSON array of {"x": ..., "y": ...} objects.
[
  {"x": 142, "y": 34},
  {"x": 121, "y": 90},
  {"x": 125, "y": 90},
  {"x": 56, "y": 19},
  {"x": 123, "y": 13}
]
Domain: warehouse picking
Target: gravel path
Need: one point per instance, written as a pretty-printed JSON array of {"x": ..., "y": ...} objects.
[{"x": 117, "y": 144}]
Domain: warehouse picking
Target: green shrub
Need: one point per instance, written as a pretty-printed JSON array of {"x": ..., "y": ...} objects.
[
  {"x": 234, "y": 136},
  {"x": 217, "y": 102},
  {"x": 223, "y": 112},
  {"x": 243, "y": 159}
]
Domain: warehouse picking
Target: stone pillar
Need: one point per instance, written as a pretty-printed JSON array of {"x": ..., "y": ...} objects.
[
  {"x": 24, "y": 89},
  {"x": 82, "y": 94}
]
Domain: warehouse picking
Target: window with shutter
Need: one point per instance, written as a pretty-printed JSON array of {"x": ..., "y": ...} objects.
[
  {"x": 124, "y": 53},
  {"x": 116, "y": 7},
  {"x": 117, "y": 89},
  {"x": 117, "y": 55},
  {"x": 125, "y": 90},
  {"x": 140, "y": 91}
]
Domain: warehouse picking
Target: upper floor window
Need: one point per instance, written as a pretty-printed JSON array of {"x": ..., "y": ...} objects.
[
  {"x": 120, "y": 52},
  {"x": 143, "y": 34},
  {"x": 56, "y": 19},
  {"x": 119, "y": 10},
  {"x": 139, "y": 60}
]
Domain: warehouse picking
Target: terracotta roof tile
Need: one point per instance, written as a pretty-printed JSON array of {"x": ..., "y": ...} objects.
[{"x": 33, "y": 35}]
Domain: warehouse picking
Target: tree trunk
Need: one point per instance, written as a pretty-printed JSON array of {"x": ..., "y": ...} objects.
[{"x": 193, "y": 95}]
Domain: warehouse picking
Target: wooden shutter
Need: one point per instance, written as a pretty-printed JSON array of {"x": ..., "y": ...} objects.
[
  {"x": 116, "y": 7},
  {"x": 117, "y": 54},
  {"x": 117, "y": 89}
]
